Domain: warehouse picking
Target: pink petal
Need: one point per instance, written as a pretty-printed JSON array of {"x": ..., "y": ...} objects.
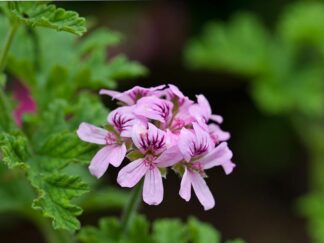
[
  {"x": 169, "y": 157},
  {"x": 202, "y": 137},
  {"x": 138, "y": 131},
  {"x": 217, "y": 134},
  {"x": 154, "y": 108},
  {"x": 153, "y": 187},
  {"x": 92, "y": 134},
  {"x": 185, "y": 188},
  {"x": 202, "y": 191},
  {"x": 185, "y": 139},
  {"x": 99, "y": 163},
  {"x": 117, "y": 95},
  {"x": 117, "y": 154},
  {"x": 132, "y": 173},
  {"x": 218, "y": 156},
  {"x": 228, "y": 167},
  {"x": 216, "y": 118}
]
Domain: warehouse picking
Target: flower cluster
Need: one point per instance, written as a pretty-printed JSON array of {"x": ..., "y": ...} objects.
[{"x": 157, "y": 128}]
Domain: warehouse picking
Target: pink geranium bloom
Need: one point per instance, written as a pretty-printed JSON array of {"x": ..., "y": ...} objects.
[
  {"x": 131, "y": 96},
  {"x": 202, "y": 111},
  {"x": 200, "y": 154},
  {"x": 157, "y": 153},
  {"x": 113, "y": 152},
  {"x": 154, "y": 108}
]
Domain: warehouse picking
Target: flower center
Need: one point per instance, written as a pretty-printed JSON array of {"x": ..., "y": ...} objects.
[
  {"x": 149, "y": 161},
  {"x": 111, "y": 139}
]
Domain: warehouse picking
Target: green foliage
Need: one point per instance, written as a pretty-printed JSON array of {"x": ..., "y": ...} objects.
[
  {"x": 41, "y": 14},
  {"x": 163, "y": 231},
  {"x": 45, "y": 158},
  {"x": 285, "y": 66}
]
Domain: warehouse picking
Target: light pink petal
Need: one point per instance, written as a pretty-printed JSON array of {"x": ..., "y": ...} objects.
[
  {"x": 132, "y": 173},
  {"x": 216, "y": 118},
  {"x": 217, "y": 134},
  {"x": 92, "y": 134},
  {"x": 186, "y": 139},
  {"x": 117, "y": 154},
  {"x": 153, "y": 187},
  {"x": 117, "y": 95},
  {"x": 185, "y": 188},
  {"x": 99, "y": 163},
  {"x": 154, "y": 108},
  {"x": 228, "y": 167},
  {"x": 202, "y": 191},
  {"x": 218, "y": 156},
  {"x": 202, "y": 137},
  {"x": 138, "y": 131},
  {"x": 169, "y": 157},
  {"x": 176, "y": 91},
  {"x": 204, "y": 105}
]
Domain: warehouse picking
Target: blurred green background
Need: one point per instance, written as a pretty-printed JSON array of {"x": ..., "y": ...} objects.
[{"x": 261, "y": 65}]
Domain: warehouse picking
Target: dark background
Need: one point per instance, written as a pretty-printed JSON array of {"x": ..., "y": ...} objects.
[{"x": 257, "y": 201}]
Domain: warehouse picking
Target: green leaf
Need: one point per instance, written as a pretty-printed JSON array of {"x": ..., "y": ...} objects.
[
  {"x": 14, "y": 150},
  {"x": 202, "y": 232},
  {"x": 36, "y": 14},
  {"x": 109, "y": 232},
  {"x": 169, "y": 230},
  {"x": 6, "y": 119},
  {"x": 55, "y": 192},
  {"x": 138, "y": 231}
]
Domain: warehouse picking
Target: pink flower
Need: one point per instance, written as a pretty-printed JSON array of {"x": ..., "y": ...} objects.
[
  {"x": 113, "y": 152},
  {"x": 153, "y": 144},
  {"x": 199, "y": 153},
  {"x": 154, "y": 108},
  {"x": 202, "y": 111},
  {"x": 131, "y": 96}
]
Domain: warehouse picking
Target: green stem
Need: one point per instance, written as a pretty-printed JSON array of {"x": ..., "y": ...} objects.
[
  {"x": 7, "y": 44},
  {"x": 45, "y": 227},
  {"x": 131, "y": 206}
]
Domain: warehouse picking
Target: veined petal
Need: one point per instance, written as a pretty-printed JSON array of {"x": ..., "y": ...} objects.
[
  {"x": 117, "y": 154},
  {"x": 202, "y": 191},
  {"x": 117, "y": 95},
  {"x": 154, "y": 108},
  {"x": 132, "y": 173},
  {"x": 92, "y": 134},
  {"x": 100, "y": 162},
  {"x": 153, "y": 187},
  {"x": 186, "y": 139},
  {"x": 185, "y": 188},
  {"x": 219, "y": 155},
  {"x": 203, "y": 139},
  {"x": 169, "y": 157}
]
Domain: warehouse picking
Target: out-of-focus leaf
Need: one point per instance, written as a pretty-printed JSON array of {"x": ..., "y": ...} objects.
[
  {"x": 202, "y": 232},
  {"x": 6, "y": 119},
  {"x": 169, "y": 230},
  {"x": 302, "y": 23},
  {"x": 110, "y": 198},
  {"x": 46, "y": 15},
  {"x": 109, "y": 231},
  {"x": 240, "y": 47}
]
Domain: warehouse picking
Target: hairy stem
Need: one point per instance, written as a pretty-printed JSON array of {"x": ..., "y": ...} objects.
[
  {"x": 131, "y": 207},
  {"x": 7, "y": 44}
]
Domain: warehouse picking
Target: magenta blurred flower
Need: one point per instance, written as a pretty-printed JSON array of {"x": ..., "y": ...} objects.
[
  {"x": 26, "y": 104},
  {"x": 160, "y": 127}
]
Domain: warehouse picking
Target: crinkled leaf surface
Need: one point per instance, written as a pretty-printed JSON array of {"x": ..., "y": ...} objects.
[{"x": 46, "y": 15}]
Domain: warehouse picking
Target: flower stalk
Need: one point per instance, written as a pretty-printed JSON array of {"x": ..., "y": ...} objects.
[
  {"x": 131, "y": 207},
  {"x": 7, "y": 44}
]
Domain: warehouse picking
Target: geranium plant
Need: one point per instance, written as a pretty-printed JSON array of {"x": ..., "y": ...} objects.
[{"x": 43, "y": 170}]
